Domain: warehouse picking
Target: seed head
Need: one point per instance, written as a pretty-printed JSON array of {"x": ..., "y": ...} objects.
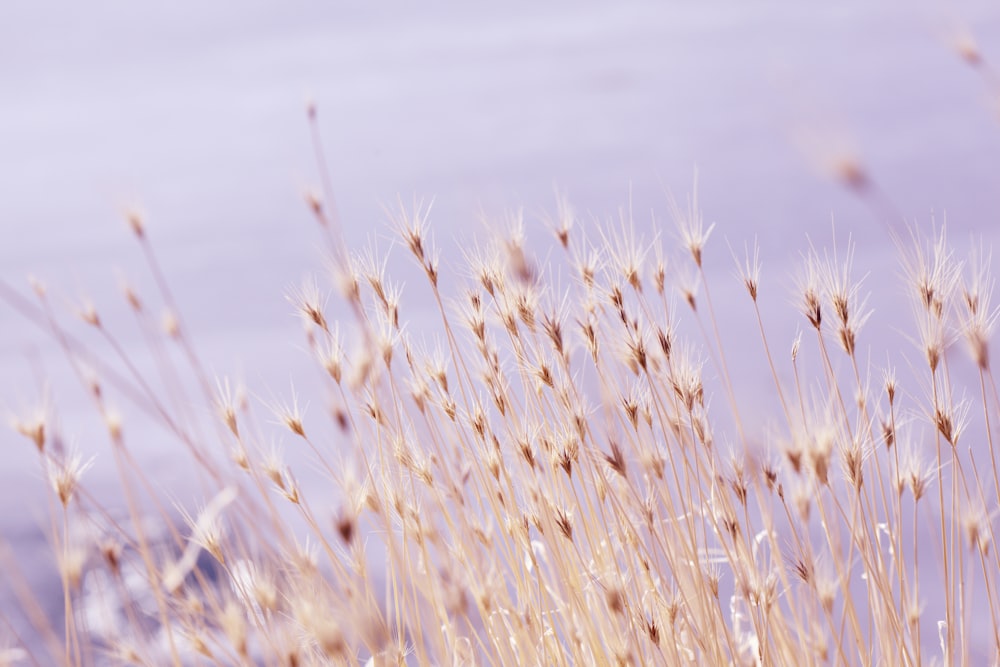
[
  {"x": 71, "y": 562},
  {"x": 967, "y": 49},
  {"x": 810, "y": 288},
  {"x": 932, "y": 269},
  {"x": 290, "y": 415},
  {"x": 977, "y": 529},
  {"x": 552, "y": 325},
  {"x": 821, "y": 447},
  {"x": 65, "y": 473},
  {"x": 88, "y": 313},
  {"x": 111, "y": 553},
  {"x": 131, "y": 296},
  {"x": 274, "y": 467},
  {"x": 136, "y": 222},
  {"x": 636, "y": 352},
  {"x": 33, "y": 427},
  {"x": 981, "y": 316},
  {"x": 171, "y": 325},
  {"x": 951, "y": 421},
  {"x": 749, "y": 269},
  {"x": 412, "y": 227},
  {"x": 113, "y": 422},
  {"x": 519, "y": 265},
  {"x": 616, "y": 458},
  {"x": 691, "y": 225},
  {"x": 627, "y": 253},
  {"x": 587, "y": 266},
  {"x": 853, "y": 455},
  {"x": 315, "y": 203},
  {"x": 228, "y": 401},
  {"x": 234, "y": 626},
  {"x": 563, "y": 222},
  {"x": 564, "y": 520},
  {"x": 309, "y": 303}
]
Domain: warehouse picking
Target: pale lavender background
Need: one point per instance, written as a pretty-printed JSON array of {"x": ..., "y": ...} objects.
[{"x": 196, "y": 112}]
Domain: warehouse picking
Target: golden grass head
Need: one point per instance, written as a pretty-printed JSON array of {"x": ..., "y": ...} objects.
[{"x": 65, "y": 473}]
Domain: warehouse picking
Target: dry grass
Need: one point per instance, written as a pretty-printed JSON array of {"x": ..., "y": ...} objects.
[
  {"x": 540, "y": 478},
  {"x": 557, "y": 471}
]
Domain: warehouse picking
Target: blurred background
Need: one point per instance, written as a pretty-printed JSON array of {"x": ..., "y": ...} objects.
[{"x": 195, "y": 114}]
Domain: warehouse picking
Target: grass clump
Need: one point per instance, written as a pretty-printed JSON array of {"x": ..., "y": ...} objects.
[
  {"x": 541, "y": 473},
  {"x": 546, "y": 481}
]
